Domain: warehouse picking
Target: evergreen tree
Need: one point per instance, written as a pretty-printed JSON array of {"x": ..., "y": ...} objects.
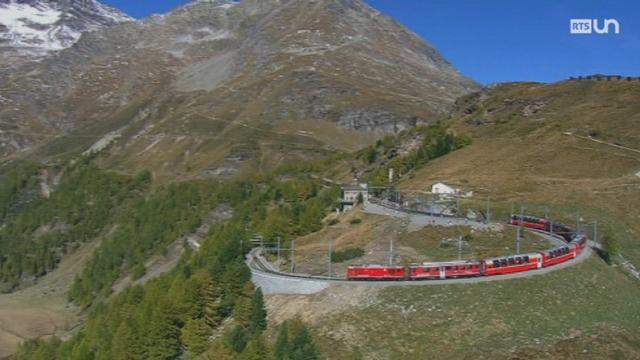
[
  {"x": 281, "y": 351},
  {"x": 209, "y": 300},
  {"x": 258, "y": 313},
  {"x": 126, "y": 345},
  {"x": 194, "y": 337},
  {"x": 302, "y": 346},
  {"x": 255, "y": 350},
  {"x": 219, "y": 351},
  {"x": 162, "y": 333},
  {"x": 243, "y": 311},
  {"x": 237, "y": 338}
]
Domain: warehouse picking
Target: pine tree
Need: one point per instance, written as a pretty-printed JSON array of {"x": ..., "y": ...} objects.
[
  {"x": 162, "y": 333},
  {"x": 282, "y": 343},
  {"x": 258, "y": 313},
  {"x": 255, "y": 350},
  {"x": 237, "y": 338},
  {"x": 208, "y": 297},
  {"x": 194, "y": 337},
  {"x": 126, "y": 345},
  {"x": 243, "y": 311},
  {"x": 302, "y": 346},
  {"x": 219, "y": 351}
]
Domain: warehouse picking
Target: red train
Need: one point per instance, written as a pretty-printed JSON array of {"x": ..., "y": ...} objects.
[
  {"x": 376, "y": 272},
  {"x": 485, "y": 267},
  {"x": 531, "y": 222},
  {"x": 512, "y": 264},
  {"x": 445, "y": 270}
]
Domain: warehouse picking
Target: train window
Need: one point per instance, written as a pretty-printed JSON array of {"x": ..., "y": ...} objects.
[{"x": 526, "y": 259}]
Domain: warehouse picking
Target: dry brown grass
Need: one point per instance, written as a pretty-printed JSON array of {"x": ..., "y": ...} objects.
[
  {"x": 530, "y": 161},
  {"x": 42, "y": 310}
]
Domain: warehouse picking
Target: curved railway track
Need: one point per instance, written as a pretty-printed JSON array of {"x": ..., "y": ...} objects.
[
  {"x": 273, "y": 281},
  {"x": 279, "y": 282}
]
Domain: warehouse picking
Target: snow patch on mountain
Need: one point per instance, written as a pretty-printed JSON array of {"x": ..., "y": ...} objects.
[
  {"x": 38, "y": 27},
  {"x": 27, "y": 25}
]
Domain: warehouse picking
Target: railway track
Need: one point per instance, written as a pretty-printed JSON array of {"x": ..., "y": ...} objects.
[{"x": 274, "y": 281}]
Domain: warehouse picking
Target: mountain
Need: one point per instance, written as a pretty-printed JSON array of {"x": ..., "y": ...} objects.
[
  {"x": 217, "y": 87},
  {"x": 38, "y": 27}
]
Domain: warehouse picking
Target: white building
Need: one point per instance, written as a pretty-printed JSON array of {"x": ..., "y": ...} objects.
[
  {"x": 446, "y": 190},
  {"x": 442, "y": 189},
  {"x": 350, "y": 195}
]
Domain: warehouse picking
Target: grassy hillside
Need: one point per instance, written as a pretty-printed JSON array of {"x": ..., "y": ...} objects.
[
  {"x": 525, "y": 150},
  {"x": 520, "y": 144},
  {"x": 532, "y": 145},
  {"x": 569, "y": 314}
]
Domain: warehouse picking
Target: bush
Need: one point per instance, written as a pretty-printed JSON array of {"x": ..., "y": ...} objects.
[
  {"x": 346, "y": 254},
  {"x": 333, "y": 222},
  {"x": 138, "y": 271},
  {"x": 355, "y": 221},
  {"x": 609, "y": 246},
  {"x": 371, "y": 155}
]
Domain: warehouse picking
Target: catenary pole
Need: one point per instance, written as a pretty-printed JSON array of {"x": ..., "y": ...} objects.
[
  {"x": 330, "y": 253},
  {"x": 278, "y": 251},
  {"x": 293, "y": 260},
  {"x": 488, "y": 210},
  {"x": 520, "y": 229}
]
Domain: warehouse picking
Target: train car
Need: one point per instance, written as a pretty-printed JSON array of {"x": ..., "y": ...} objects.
[
  {"x": 512, "y": 264},
  {"x": 445, "y": 270},
  {"x": 563, "y": 230},
  {"x": 376, "y": 272},
  {"x": 531, "y": 222},
  {"x": 579, "y": 241},
  {"x": 426, "y": 271},
  {"x": 456, "y": 269},
  {"x": 558, "y": 255}
]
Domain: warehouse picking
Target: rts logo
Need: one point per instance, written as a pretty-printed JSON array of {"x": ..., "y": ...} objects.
[{"x": 589, "y": 26}]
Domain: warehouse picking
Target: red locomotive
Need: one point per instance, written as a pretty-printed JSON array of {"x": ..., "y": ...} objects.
[{"x": 376, "y": 272}]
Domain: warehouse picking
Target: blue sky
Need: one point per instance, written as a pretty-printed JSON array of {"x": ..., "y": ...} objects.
[{"x": 505, "y": 40}]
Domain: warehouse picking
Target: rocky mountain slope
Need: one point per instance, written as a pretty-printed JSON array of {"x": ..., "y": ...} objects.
[
  {"x": 216, "y": 86},
  {"x": 33, "y": 28}
]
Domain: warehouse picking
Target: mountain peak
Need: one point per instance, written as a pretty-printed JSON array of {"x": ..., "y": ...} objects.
[
  {"x": 37, "y": 27},
  {"x": 247, "y": 81}
]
